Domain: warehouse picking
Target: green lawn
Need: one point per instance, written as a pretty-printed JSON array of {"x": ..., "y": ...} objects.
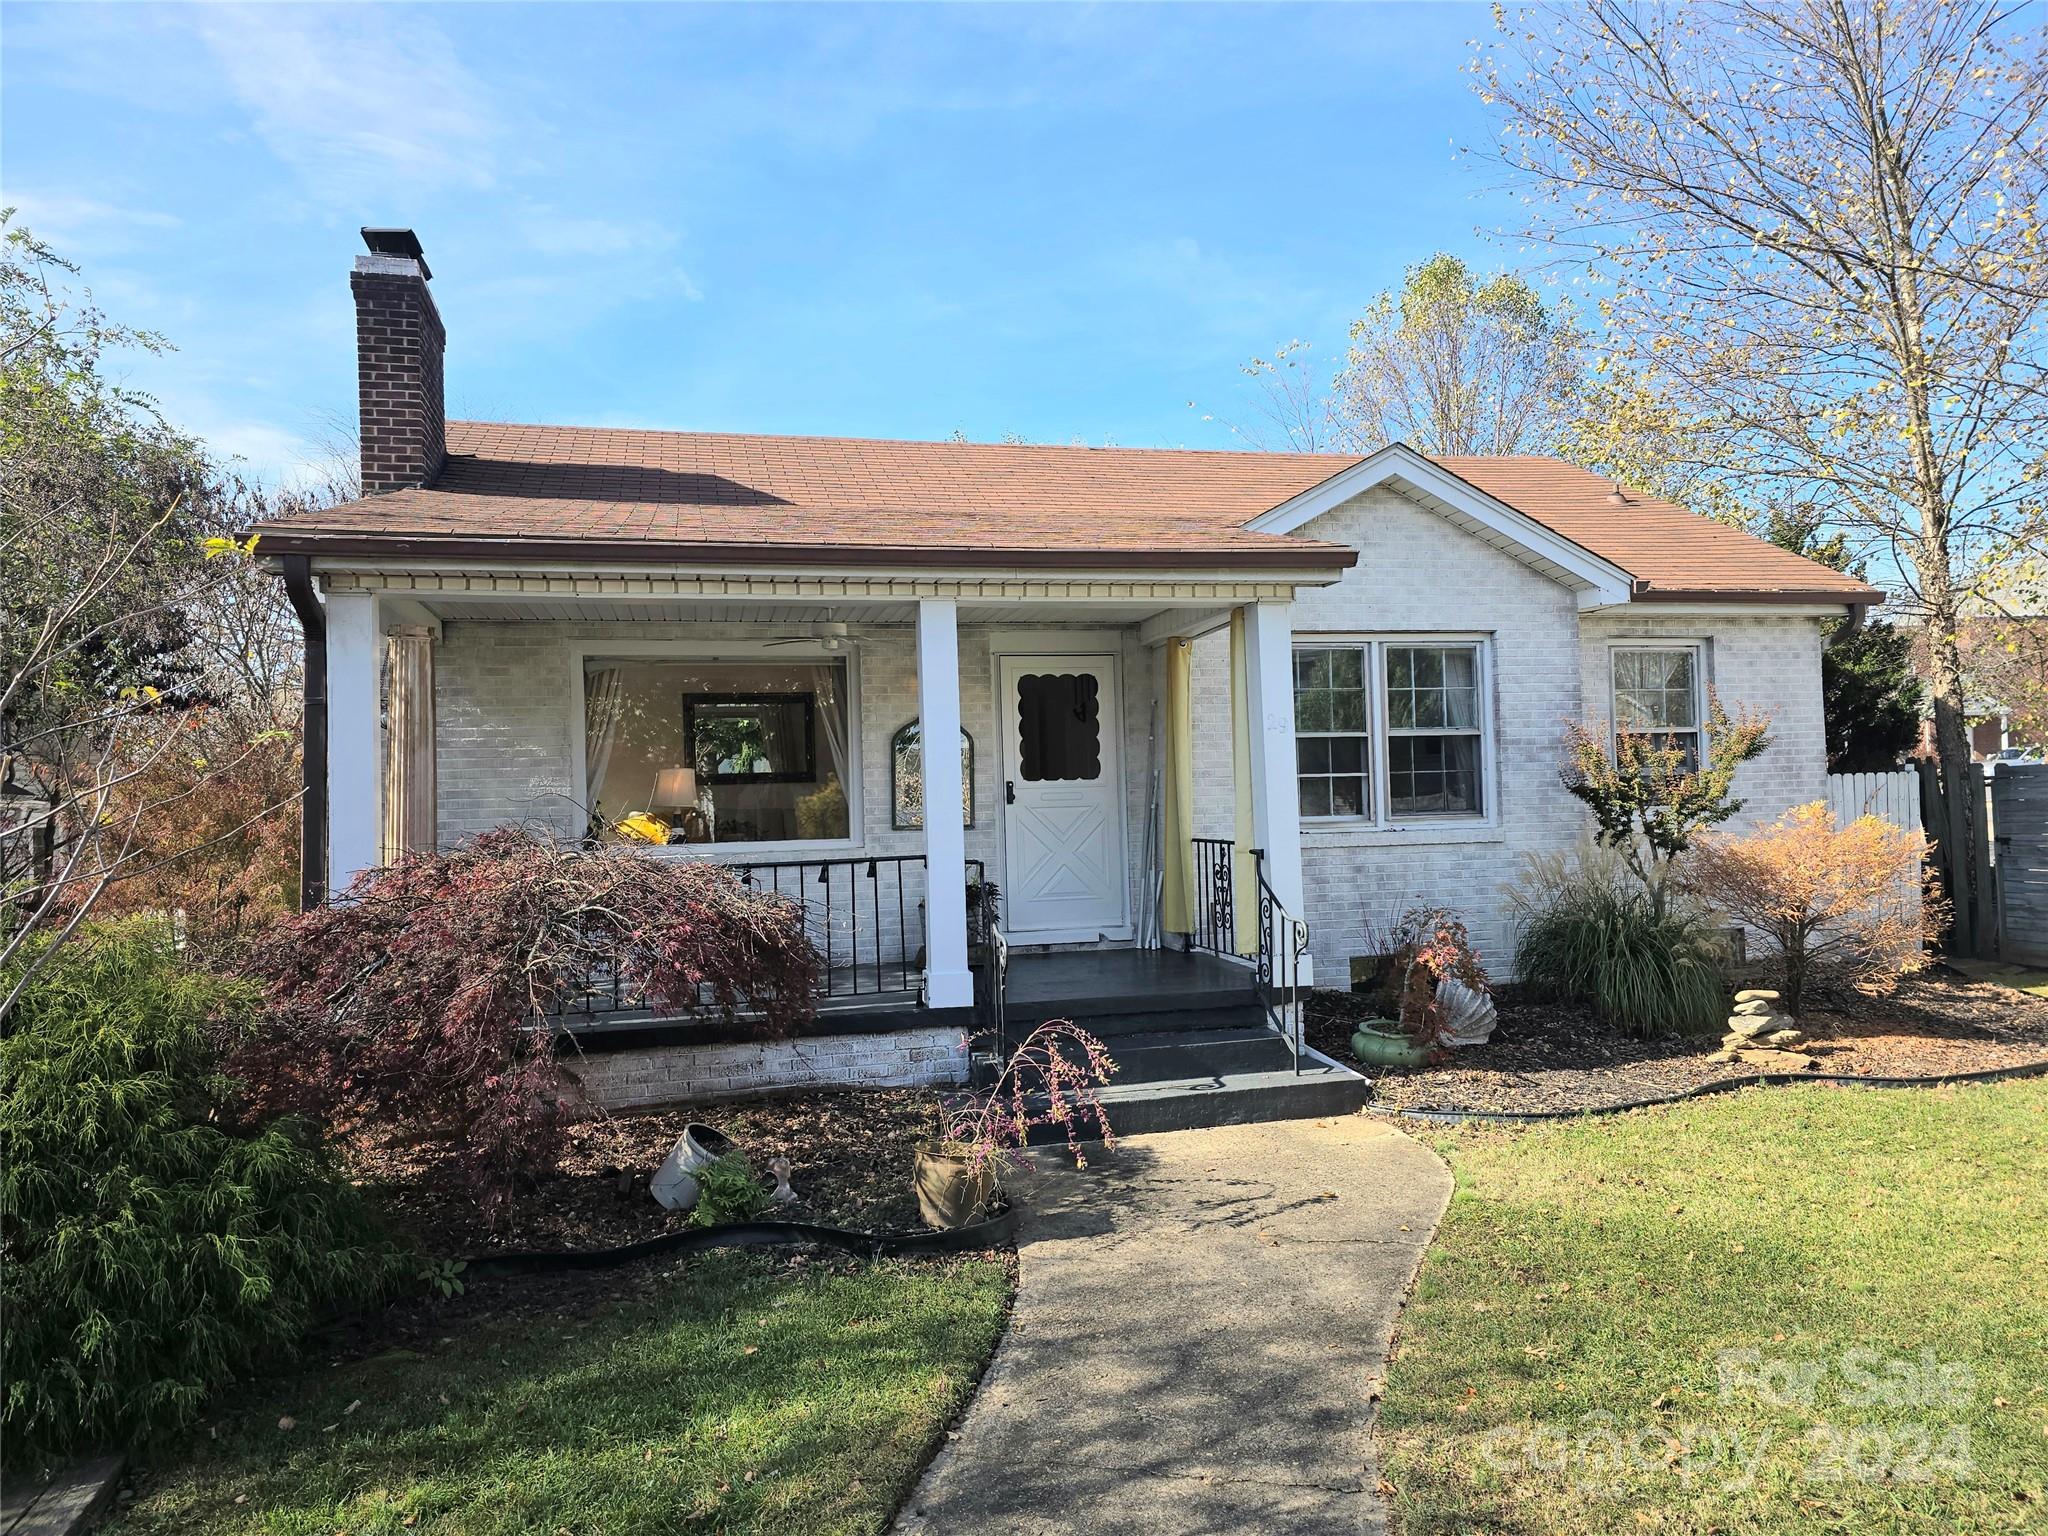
[
  {"x": 2020, "y": 978},
  {"x": 741, "y": 1397},
  {"x": 1647, "y": 1322}
]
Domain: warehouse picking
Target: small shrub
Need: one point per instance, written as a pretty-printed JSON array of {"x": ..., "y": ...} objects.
[
  {"x": 1054, "y": 1078},
  {"x": 728, "y": 1190},
  {"x": 1825, "y": 897},
  {"x": 1589, "y": 933},
  {"x": 1427, "y": 945},
  {"x": 151, "y": 1249},
  {"x": 1649, "y": 802},
  {"x": 420, "y": 1001}
]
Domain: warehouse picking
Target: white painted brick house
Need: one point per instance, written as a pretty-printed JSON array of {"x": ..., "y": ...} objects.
[{"x": 715, "y": 644}]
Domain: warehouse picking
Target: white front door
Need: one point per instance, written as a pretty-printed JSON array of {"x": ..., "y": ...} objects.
[{"x": 1063, "y": 821}]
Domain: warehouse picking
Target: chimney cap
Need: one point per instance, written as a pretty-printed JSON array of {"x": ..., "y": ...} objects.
[{"x": 396, "y": 242}]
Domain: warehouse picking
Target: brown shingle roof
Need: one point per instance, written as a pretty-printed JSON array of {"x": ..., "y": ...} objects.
[
  {"x": 607, "y": 493},
  {"x": 1669, "y": 551}
]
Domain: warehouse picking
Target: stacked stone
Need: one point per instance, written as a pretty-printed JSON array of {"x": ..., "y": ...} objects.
[{"x": 1762, "y": 1035}]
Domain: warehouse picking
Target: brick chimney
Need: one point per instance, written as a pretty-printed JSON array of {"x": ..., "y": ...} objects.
[{"x": 399, "y": 341}]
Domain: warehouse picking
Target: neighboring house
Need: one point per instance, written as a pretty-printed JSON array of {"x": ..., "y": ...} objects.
[
  {"x": 2005, "y": 674},
  {"x": 753, "y": 638}
]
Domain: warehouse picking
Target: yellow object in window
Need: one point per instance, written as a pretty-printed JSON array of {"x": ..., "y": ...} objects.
[{"x": 643, "y": 827}]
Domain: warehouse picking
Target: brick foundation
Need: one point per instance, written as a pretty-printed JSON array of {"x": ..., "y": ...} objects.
[{"x": 671, "y": 1075}]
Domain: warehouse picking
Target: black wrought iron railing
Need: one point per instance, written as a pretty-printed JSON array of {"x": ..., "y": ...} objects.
[
  {"x": 1276, "y": 973},
  {"x": 865, "y": 915},
  {"x": 990, "y": 959},
  {"x": 1280, "y": 944},
  {"x": 1214, "y": 907}
]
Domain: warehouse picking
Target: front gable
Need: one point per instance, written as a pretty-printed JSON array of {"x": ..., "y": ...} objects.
[{"x": 1596, "y": 583}]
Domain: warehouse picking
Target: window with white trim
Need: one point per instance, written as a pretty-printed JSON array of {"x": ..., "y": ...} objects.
[
  {"x": 1657, "y": 695},
  {"x": 1433, "y": 732},
  {"x": 702, "y": 750},
  {"x": 1332, "y": 721},
  {"x": 1391, "y": 731}
]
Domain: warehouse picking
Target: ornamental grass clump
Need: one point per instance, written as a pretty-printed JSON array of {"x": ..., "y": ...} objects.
[
  {"x": 421, "y": 1001},
  {"x": 1853, "y": 901},
  {"x": 152, "y": 1243},
  {"x": 1589, "y": 932}
]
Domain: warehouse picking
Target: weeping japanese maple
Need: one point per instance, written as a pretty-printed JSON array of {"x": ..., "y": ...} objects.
[{"x": 420, "y": 1001}]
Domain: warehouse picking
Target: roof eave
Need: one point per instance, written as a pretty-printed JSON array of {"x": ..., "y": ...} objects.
[
  {"x": 1295, "y": 556},
  {"x": 1849, "y": 597}
]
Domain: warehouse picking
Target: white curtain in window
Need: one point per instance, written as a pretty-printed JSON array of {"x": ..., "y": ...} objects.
[
  {"x": 603, "y": 705},
  {"x": 831, "y": 718}
]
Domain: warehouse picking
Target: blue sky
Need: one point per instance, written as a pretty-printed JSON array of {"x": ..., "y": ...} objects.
[{"x": 1062, "y": 222}]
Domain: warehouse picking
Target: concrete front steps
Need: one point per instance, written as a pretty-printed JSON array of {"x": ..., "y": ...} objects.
[{"x": 1192, "y": 1048}]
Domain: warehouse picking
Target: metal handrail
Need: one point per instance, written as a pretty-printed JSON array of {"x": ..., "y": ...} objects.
[
  {"x": 1277, "y": 973},
  {"x": 992, "y": 990},
  {"x": 863, "y": 952},
  {"x": 1213, "y": 918}
]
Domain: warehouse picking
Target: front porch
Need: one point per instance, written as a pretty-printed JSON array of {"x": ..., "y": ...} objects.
[
  {"x": 777, "y": 725},
  {"x": 1199, "y": 1039},
  {"x": 785, "y": 738}
]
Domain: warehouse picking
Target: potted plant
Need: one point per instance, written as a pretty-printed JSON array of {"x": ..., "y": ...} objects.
[
  {"x": 984, "y": 908},
  {"x": 1433, "y": 987},
  {"x": 1053, "y": 1078}
]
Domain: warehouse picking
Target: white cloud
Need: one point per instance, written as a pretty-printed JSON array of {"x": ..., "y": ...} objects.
[
  {"x": 66, "y": 220},
  {"x": 361, "y": 101},
  {"x": 551, "y": 232}
]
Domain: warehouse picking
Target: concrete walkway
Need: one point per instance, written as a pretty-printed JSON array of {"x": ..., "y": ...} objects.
[{"x": 1200, "y": 1334}]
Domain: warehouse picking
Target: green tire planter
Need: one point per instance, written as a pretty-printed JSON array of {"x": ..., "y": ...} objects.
[{"x": 1387, "y": 1046}]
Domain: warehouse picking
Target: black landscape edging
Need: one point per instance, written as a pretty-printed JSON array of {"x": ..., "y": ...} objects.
[
  {"x": 761, "y": 1234},
  {"x": 1723, "y": 1085}
]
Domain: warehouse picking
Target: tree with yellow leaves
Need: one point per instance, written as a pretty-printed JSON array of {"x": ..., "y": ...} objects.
[
  {"x": 1838, "y": 898},
  {"x": 1819, "y": 225}
]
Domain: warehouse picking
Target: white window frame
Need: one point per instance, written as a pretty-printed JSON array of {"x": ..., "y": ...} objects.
[
  {"x": 1380, "y": 816},
  {"x": 739, "y": 652},
  {"x": 1367, "y": 735},
  {"x": 1697, "y": 649}
]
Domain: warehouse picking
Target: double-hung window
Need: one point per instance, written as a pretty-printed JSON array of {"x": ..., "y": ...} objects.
[
  {"x": 1433, "y": 731},
  {"x": 1657, "y": 695},
  {"x": 1391, "y": 731},
  {"x": 1332, "y": 722}
]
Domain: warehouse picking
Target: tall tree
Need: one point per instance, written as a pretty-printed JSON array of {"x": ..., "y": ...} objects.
[
  {"x": 1455, "y": 363},
  {"x": 1870, "y": 694},
  {"x": 1449, "y": 363},
  {"x": 113, "y": 562},
  {"x": 1820, "y": 225}
]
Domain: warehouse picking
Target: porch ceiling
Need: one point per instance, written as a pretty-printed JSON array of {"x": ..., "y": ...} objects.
[{"x": 582, "y": 610}]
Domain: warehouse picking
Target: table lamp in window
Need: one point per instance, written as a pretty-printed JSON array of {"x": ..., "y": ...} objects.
[{"x": 676, "y": 788}]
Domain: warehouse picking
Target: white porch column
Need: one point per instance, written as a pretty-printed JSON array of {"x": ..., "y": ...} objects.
[
  {"x": 354, "y": 824},
  {"x": 946, "y": 979},
  {"x": 410, "y": 797},
  {"x": 1276, "y": 803}
]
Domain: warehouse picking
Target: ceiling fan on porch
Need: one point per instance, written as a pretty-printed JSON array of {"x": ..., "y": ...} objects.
[{"x": 830, "y": 638}]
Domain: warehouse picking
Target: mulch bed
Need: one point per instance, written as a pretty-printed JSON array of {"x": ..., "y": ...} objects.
[
  {"x": 850, "y": 1156},
  {"x": 1557, "y": 1056}
]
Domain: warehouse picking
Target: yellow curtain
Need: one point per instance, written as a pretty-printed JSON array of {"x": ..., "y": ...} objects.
[
  {"x": 1244, "y": 885},
  {"x": 1177, "y": 797}
]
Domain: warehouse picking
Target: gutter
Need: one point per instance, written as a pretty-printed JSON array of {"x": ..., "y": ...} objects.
[
  {"x": 298, "y": 585},
  {"x": 284, "y": 540},
  {"x": 1841, "y": 597}
]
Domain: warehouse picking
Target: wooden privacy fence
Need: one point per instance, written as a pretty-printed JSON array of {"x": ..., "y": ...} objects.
[
  {"x": 2019, "y": 842},
  {"x": 1894, "y": 796}
]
